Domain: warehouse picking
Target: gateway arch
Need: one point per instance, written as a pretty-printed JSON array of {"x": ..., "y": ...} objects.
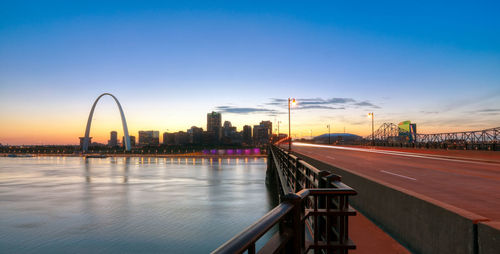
[{"x": 89, "y": 122}]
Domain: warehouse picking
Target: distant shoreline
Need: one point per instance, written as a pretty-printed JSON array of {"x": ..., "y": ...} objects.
[{"x": 205, "y": 156}]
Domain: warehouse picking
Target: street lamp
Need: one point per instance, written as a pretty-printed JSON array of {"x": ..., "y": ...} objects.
[
  {"x": 328, "y": 126},
  {"x": 293, "y": 102},
  {"x": 279, "y": 130},
  {"x": 373, "y": 135}
]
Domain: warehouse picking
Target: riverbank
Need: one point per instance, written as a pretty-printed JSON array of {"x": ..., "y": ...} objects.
[{"x": 186, "y": 155}]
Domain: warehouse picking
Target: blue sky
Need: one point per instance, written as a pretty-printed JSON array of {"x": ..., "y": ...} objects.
[{"x": 170, "y": 63}]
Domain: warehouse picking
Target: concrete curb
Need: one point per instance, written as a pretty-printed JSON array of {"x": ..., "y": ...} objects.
[{"x": 489, "y": 237}]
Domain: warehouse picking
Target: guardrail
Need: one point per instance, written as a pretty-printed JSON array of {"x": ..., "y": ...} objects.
[{"x": 313, "y": 218}]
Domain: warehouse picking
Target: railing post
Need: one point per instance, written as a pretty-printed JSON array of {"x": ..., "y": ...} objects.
[
  {"x": 296, "y": 171},
  {"x": 296, "y": 244},
  {"x": 323, "y": 182},
  {"x": 331, "y": 235}
]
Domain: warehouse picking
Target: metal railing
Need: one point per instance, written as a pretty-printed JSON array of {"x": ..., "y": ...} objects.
[{"x": 313, "y": 215}]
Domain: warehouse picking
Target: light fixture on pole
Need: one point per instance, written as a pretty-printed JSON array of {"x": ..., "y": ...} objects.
[
  {"x": 328, "y": 126},
  {"x": 279, "y": 129},
  {"x": 373, "y": 132},
  {"x": 293, "y": 102}
]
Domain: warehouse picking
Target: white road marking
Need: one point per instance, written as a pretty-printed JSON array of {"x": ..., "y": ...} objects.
[
  {"x": 407, "y": 177},
  {"x": 406, "y": 154},
  {"x": 330, "y": 157}
]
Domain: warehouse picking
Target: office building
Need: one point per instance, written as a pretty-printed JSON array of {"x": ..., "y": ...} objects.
[
  {"x": 113, "y": 139},
  {"x": 214, "y": 124},
  {"x": 168, "y": 138},
  {"x": 149, "y": 138},
  {"x": 262, "y": 133},
  {"x": 181, "y": 138},
  {"x": 195, "y": 135},
  {"x": 247, "y": 134},
  {"x": 228, "y": 130}
]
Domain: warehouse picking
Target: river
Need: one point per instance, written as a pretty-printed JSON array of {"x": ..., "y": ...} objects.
[{"x": 128, "y": 205}]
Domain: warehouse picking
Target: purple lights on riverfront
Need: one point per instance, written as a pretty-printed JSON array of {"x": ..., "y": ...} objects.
[{"x": 253, "y": 151}]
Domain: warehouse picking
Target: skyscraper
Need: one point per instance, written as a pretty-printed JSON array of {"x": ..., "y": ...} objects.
[
  {"x": 262, "y": 133},
  {"x": 214, "y": 124},
  {"x": 228, "y": 130},
  {"x": 195, "y": 135},
  {"x": 269, "y": 126},
  {"x": 229, "y": 134},
  {"x": 113, "y": 139},
  {"x": 247, "y": 134}
]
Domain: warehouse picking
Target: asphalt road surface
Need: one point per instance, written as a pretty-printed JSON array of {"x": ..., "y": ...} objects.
[{"x": 467, "y": 184}]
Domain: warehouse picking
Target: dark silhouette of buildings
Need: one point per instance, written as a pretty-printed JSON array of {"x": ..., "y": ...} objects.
[{"x": 216, "y": 134}]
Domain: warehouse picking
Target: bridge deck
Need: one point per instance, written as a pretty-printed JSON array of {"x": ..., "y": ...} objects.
[
  {"x": 470, "y": 185},
  {"x": 476, "y": 155}
]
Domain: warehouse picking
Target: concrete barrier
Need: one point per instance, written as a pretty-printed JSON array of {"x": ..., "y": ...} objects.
[
  {"x": 422, "y": 224},
  {"x": 489, "y": 237}
]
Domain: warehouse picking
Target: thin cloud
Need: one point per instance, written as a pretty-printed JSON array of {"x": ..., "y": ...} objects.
[
  {"x": 273, "y": 106},
  {"x": 485, "y": 111},
  {"x": 429, "y": 112},
  {"x": 241, "y": 110},
  {"x": 317, "y": 107},
  {"x": 276, "y": 102},
  {"x": 340, "y": 100},
  {"x": 489, "y": 110},
  {"x": 320, "y": 103},
  {"x": 366, "y": 104}
]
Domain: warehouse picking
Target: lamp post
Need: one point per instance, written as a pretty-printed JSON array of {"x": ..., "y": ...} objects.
[
  {"x": 373, "y": 135},
  {"x": 279, "y": 130},
  {"x": 292, "y": 100},
  {"x": 328, "y": 126}
]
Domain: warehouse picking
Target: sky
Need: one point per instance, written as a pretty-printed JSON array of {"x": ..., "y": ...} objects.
[{"x": 169, "y": 63}]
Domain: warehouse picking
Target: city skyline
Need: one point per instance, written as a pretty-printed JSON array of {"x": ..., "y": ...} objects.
[{"x": 170, "y": 63}]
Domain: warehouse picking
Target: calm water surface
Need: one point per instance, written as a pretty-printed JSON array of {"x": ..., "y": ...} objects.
[{"x": 123, "y": 205}]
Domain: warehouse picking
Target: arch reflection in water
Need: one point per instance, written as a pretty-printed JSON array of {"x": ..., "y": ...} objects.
[{"x": 89, "y": 162}]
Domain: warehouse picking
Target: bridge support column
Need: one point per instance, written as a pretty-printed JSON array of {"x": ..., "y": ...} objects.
[
  {"x": 271, "y": 169},
  {"x": 294, "y": 224}
]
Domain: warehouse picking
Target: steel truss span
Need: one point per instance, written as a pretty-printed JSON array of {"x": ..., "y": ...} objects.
[
  {"x": 389, "y": 133},
  {"x": 89, "y": 122},
  {"x": 488, "y": 136}
]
